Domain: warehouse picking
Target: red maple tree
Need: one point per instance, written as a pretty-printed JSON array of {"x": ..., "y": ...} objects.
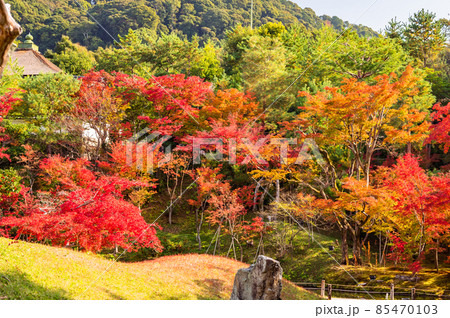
[
  {"x": 82, "y": 209},
  {"x": 420, "y": 215},
  {"x": 440, "y": 129}
]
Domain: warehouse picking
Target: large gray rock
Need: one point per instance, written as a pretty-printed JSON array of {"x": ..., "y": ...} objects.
[{"x": 261, "y": 281}]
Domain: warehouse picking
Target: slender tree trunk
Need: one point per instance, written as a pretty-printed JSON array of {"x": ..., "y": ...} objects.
[
  {"x": 261, "y": 200},
  {"x": 255, "y": 196},
  {"x": 367, "y": 176},
  {"x": 9, "y": 31},
  {"x": 383, "y": 257},
  {"x": 380, "y": 249},
  {"x": 344, "y": 246},
  {"x": 196, "y": 219},
  {"x": 217, "y": 245},
  {"x": 170, "y": 212},
  {"x": 352, "y": 168},
  {"x": 357, "y": 246},
  {"x": 240, "y": 248},
  {"x": 277, "y": 185},
  {"x": 199, "y": 239},
  {"x": 437, "y": 255},
  {"x": 261, "y": 242}
]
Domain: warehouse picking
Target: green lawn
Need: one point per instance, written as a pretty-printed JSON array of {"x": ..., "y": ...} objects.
[{"x": 35, "y": 271}]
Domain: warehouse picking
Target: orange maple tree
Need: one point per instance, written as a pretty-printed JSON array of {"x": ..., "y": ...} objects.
[{"x": 357, "y": 115}]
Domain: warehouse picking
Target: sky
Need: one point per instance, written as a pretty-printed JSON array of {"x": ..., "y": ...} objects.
[{"x": 375, "y": 13}]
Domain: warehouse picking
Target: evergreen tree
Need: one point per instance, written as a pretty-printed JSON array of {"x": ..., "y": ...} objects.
[{"x": 423, "y": 36}]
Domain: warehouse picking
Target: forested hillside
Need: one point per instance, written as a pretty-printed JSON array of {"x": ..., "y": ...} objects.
[{"x": 48, "y": 20}]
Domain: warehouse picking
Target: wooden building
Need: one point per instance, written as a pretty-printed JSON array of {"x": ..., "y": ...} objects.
[{"x": 28, "y": 58}]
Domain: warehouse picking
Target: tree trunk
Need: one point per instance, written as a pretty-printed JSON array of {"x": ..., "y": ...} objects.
[
  {"x": 277, "y": 197},
  {"x": 255, "y": 196},
  {"x": 261, "y": 200},
  {"x": 428, "y": 149},
  {"x": 357, "y": 246},
  {"x": 367, "y": 173},
  {"x": 380, "y": 249},
  {"x": 344, "y": 246},
  {"x": 170, "y": 212},
  {"x": 9, "y": 31},
  {"x": 409, "y": 148},
  {"x": 437, "y": 256},
  {"x": 240, "y": 249},
  {"x": 217, "y": 246},
  {"x": 199, "y": 227},
  {"x": 383, "y": 256}
]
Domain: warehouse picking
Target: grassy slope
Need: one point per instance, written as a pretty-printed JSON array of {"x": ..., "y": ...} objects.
[{"x": 34, "y": 271}]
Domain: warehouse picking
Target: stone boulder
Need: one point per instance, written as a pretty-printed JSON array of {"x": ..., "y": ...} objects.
[
  {"x": 407, "y": 278},
  {"x": 261, "y": 281}
]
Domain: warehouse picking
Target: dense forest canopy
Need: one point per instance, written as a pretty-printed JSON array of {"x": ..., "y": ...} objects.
[{"x": 48, "y": 20}]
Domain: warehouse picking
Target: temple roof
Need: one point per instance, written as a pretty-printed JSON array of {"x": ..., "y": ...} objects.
[{"x": 31, "y": 61}]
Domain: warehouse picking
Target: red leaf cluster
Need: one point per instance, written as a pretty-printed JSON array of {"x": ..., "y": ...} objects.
[
  {"x": 440, "y": 130},
  {"x": 83, "y": 209}
]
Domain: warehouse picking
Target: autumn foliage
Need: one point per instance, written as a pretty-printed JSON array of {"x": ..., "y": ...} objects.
[
  {"x": 357, "y": 115},
  {"x": 81, "y": 209},
  {"x": 421, "y": 204},
  {"x": 214, "y": 149},
  {"x": 441, "y": 126}
]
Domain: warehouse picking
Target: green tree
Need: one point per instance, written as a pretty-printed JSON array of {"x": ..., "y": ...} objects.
[
  {"x": 271, "y": 29},
  {"x": 234, "y": 46},
  {"x": 308, "y": 57},
  {"x": 141, "y": 53},
  {"x": 45, "y": 101},
  {"x": 11, "y": 77},
  {"x": 72, "y": 57},
  {"x": 171, "y": 55},
  {"x": 208, "y": 65},
  {"x": 126, "y": 55},
  {"x": 424, "y": 37},
  {"x": 362, "y": 58},
  {"x": 264, "y": 68},
  {"x": 394, "y": 30}
]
